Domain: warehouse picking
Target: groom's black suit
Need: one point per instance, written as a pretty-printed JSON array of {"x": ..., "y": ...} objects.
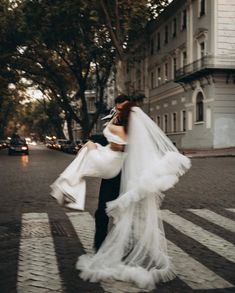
[{"x": 109, "y": 190}]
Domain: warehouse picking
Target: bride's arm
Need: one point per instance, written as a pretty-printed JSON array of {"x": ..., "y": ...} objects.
[{"x": 116, "y": 147}]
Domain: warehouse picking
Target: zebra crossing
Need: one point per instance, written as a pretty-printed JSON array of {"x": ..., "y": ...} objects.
[
  {"x": 37, "y": 246},
  {"x": 37, "y": 266},
  {"x": 210, "y": 240}
]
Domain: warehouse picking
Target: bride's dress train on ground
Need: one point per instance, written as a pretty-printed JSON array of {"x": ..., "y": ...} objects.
[{"x": 135, "y": 249}]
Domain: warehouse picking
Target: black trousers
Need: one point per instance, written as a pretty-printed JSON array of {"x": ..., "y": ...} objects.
[{"x": 109, "y": 190}]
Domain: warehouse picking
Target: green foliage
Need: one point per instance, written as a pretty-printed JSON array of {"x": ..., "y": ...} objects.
[
  {"x": 43, "y": 118},
  {"x": 64, "y": 43},
  {"x": 126, "y": 20},
  {"x": 64, "y": 46}
]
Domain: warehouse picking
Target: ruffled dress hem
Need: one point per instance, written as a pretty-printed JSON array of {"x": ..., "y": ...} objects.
[{"x": 142, "y": 278}]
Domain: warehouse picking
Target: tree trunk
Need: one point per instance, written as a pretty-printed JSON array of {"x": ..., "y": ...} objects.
[
  {"x": 1, "y": 131},
  {"x": 84, "y": 114},
  {"x": 4, "y": 117},
  {"x": 58, "y": 130},
  {"x": 120, "y": 78},
  {"x": 69, "y": 125}
]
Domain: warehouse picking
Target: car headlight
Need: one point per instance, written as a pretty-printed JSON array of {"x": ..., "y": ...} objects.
[{"x": 24, "y": 148}]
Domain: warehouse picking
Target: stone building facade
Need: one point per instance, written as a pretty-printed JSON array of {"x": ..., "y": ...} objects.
[{"x": 188, "y": 73}]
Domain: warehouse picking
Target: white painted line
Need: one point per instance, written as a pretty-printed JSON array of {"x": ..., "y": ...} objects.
[
  {"x": 215, "y": 218},
  {"x": 206, "y": 238},
  {"x": 231, "y": 210},
  {"x": 37, "y": 265},
  {"x": 84, "y": 227},
  {"x": 192, "y": 272}
]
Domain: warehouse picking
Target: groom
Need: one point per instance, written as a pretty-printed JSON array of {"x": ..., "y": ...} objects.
[{"x": 109, "y": 188}]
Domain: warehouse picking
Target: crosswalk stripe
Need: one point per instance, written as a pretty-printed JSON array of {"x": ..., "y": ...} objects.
[
  {"x": 193, "y": 273},
  {"x": 84, "y": 227},
  {"x": 231, "y": 210},
  {"x": 37, "y": 266},
  {"x": 215, "y": 218},
  {"x": 206, "y": 238}
]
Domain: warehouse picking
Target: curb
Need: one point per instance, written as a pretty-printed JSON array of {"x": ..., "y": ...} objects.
[{"x": 209, "y": 156}]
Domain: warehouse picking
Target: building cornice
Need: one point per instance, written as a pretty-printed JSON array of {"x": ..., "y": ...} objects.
[{"x": 167, "y": 93}]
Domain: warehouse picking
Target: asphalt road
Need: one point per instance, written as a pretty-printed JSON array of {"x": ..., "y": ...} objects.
[{"x": 40, "y": 241}]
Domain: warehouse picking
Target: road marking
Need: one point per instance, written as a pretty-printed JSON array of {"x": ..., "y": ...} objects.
[
  {"x": 84, "y": 226},
  {"x": 193, "y": 273},
  {"x": 206, "y": 238},
  {"x": 215, "y": 218},
  {"x": 37, "y": 266},
  {"x": 189, "y": 270},
  {"x": 231, "y": 210}
]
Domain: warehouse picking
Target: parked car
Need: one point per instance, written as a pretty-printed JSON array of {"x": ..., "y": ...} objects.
[
  {"x": 3, "y": 144},
  {"x": 64, "y": 144},
  {"x": 18, "y": 145},
  {"x": 72, "y": 148},
  {"x": 59, "y": 143}
]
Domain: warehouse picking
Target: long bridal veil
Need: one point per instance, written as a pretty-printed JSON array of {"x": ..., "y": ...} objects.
[{"x": 135, "y": 249}]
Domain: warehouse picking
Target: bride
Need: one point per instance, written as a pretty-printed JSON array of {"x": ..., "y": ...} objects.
[{"x": 135, "y": 249}]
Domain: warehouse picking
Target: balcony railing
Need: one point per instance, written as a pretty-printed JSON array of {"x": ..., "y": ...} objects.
[{"x": 205, "y": 64}]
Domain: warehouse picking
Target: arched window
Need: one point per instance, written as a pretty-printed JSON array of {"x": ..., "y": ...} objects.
[
  {"x": 159, "y": 121},
  {"x": 202, "y": 8},
  {"x": 165, "y": 123},
  {"x": 183, "y": 120},
  {"x": 199, "y": 107},
  {"x": 174, "y": 122}
]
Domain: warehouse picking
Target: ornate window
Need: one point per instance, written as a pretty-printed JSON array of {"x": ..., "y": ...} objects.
[
  {"x": 159, "y": 121},
  {"x": 159, "y": 77},
  {"x": 183, "y": 120},
  {"x": 158, "y": 41},
  {"x": 174, "y": 28},
  {"x": 184, "y": 58},
  {"x": 174, "y": 123},
  {"x": 202, "y": 49},
  {"x": 166, "y": 34},
  {"x": 202, "y": 8},
  {"x": 201, "y": 38},
  {"x": 184, "y": 19},
  {"x": 152, "y": 80},
  {"x": 199, "y": 107},
  {"x": 166, "y": 72},
  {"x": 152, "y": 46},
  {"x": 174, "y": 66},
  {"x": 165, "y": 123}
]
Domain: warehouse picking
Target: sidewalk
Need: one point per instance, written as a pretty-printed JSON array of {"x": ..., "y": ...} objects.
[{"x": 207, "y": 153}]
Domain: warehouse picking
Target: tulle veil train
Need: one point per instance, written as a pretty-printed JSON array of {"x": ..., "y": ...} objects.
[{"x": 135, "y": 249}]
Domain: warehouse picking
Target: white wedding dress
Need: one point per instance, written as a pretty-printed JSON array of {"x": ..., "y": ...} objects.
[
  {"x": 102, "y": 162},
  {"x": 135, "y": 249}
]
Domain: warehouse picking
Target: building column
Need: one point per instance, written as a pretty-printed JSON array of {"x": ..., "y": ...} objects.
[
  {"x": 189, "y": 32},
  {"x": 146, "y": 86},
  {"x": 214, "y": 18}
]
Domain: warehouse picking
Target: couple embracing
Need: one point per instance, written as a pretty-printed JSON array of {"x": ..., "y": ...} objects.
[{"x": 137, "y": 165}]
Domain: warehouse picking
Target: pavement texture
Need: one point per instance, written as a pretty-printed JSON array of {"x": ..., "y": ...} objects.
[
  {"x": 41, "y": 241},
  {"x": 203, "y": 153}
]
